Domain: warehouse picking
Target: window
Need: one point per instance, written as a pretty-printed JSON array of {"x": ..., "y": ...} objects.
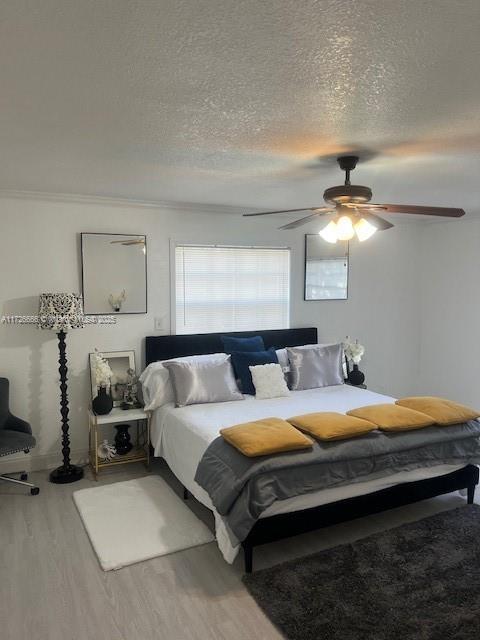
[{"x": 231, "y": 288}]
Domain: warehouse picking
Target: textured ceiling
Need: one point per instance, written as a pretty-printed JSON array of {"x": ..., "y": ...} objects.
[{"x": 230, "y": 101}]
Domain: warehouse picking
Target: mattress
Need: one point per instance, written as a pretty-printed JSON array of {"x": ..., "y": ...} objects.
[{"x": 181, "y": 436}]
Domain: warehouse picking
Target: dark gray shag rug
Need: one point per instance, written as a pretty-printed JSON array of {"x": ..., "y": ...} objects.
[{"x": 419, "y": 581}]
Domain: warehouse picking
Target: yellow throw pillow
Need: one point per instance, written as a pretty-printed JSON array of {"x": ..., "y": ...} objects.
[
  {"x": 391, "y": 417},
  {"x": 442, "y": 411},
  {"x": 328, "y": 425},
  {"x": 264, "y": 437}
]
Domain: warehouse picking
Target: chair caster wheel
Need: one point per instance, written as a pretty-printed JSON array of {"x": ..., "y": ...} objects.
[
  {"x": 34, "y": 491},
  {"x": 24, "y": 476}
]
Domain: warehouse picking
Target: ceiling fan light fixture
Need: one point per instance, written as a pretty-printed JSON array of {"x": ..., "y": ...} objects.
[
  {"x": 345, "y": 230},
  {"x": 364, "y": 229},
  {"x": 329, "y": 233}
]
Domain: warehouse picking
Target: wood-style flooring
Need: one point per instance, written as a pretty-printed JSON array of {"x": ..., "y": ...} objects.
[{"x": 52, "y": 587}]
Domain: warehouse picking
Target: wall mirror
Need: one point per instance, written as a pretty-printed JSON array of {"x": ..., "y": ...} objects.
[
  {"x": 326, "y": 269},
  {"x": 114, "y": 273}
]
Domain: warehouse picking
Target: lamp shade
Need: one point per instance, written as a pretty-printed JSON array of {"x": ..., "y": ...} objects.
[{"x": 60, "y": 311}]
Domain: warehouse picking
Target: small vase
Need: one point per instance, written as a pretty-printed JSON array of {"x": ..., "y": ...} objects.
[
  {"x": 356, "y": 377},
  {"x": 122, "y": 439},
  {"x": 103, "y": 403}
]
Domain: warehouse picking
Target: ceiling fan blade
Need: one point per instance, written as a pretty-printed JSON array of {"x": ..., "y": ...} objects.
[
  {"x": 364, "y": 205},
  {"x": 269, "y": 213},
  {"x": 448, "y": 212},
  {"x": 302, "y": 221},
  {"x": 376, "y": 221}
]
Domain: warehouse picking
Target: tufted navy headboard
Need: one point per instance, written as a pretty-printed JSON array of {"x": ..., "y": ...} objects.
[{"x": 175, "y": 346}]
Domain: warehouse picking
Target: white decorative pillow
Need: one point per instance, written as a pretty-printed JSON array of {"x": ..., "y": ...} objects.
[
  {"x": 156, "y": 386},
  {"x": 269, "y": 381},
  {"x": 283, "y": 360}
]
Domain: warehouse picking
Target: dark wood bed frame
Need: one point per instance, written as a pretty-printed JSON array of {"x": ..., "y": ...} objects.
[{"x": 292, "y": 524}]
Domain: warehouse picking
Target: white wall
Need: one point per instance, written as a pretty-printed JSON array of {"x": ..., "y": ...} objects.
[
  {"x": 450, "y": 311},
  {"x": 39, "y": 251}
]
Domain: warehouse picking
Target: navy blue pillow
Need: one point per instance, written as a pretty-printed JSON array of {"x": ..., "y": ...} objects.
[
  {"x": 231, "y": 344},
  {"x": 241, "y": 360}
]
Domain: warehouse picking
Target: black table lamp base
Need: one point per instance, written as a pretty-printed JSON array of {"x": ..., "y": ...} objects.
[{"x": 68, "y": 472}]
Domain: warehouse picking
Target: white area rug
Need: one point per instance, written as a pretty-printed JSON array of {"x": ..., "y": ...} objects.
[{"x": 131, "y": 521}]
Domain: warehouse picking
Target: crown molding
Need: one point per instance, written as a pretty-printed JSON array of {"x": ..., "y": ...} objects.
[{"x": 123, "y": 202}]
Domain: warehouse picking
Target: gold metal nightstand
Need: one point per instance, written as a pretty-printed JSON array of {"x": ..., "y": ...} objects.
[{"x": 140, "y": 437}]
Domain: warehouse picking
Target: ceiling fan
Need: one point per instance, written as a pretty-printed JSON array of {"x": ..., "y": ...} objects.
[{"x": 352, "y": 212}]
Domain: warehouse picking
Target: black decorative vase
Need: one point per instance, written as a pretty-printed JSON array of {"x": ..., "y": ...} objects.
[
  {"x": 122, "y": 439},
  {"x": 355, "y": 376},
  {"x": 103, "y": 403}
]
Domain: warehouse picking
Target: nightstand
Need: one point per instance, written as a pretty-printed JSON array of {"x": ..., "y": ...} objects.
[{"x": 140, "y": 435}]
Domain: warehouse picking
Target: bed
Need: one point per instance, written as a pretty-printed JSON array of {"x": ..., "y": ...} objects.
[{"x": 181, "y": 436}]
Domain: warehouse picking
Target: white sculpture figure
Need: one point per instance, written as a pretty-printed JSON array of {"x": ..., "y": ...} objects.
[
  {"x": 130, "y": 395},
  {"x": 117, "y": 301},
  {"x": 106, "y": 451}
]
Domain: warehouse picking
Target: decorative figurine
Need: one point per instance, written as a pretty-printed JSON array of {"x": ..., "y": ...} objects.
[
  {"x": 117, "y": 301},
  {"x": 106, "y": 451},
  {"x": 130, "y": 395}
]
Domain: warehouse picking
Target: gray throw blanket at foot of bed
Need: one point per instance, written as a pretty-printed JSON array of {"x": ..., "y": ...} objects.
[{"x": 241, "y": 488}]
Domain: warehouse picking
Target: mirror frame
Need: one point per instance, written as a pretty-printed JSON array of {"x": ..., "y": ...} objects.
[
  {"x": 308, "y": 235},
  {"x": 115, "y": 313}
]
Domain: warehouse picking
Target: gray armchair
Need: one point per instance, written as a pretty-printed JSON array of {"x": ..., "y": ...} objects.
[{"x": 15, "y": 436}]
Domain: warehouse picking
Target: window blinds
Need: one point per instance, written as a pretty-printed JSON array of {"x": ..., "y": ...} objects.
[{"x": 231, "y": 288}]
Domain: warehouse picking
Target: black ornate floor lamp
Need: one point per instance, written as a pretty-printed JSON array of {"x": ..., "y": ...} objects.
[{"x": 61, "y": 312}]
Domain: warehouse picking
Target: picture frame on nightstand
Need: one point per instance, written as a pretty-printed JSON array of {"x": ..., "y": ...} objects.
[{"x": 120, "y": 362}]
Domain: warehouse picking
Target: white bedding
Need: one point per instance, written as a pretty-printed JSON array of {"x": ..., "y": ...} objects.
[{"x": 181, "y": 435}]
